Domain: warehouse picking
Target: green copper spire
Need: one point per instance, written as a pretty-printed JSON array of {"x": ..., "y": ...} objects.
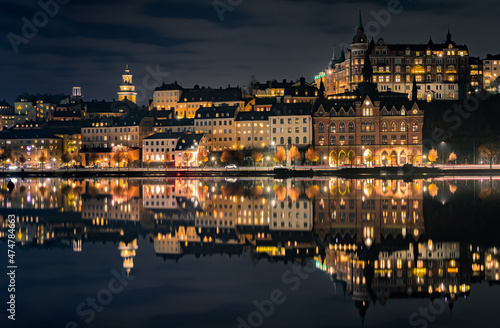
[{"x": 360, "y": 23}]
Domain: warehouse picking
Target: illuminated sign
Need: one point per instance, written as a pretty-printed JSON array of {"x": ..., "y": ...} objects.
[{"x": 270, "y": 249}]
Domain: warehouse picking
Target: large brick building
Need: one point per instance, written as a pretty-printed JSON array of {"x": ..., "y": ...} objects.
[{"x": 368, "y": 127}]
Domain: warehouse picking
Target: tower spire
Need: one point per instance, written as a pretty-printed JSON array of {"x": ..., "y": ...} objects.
[
  {"x": 448, "y": 36},
  {"x": 360, "y": 21}
]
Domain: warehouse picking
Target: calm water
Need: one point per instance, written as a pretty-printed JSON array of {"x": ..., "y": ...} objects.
[{"x": 253, "y": 252}]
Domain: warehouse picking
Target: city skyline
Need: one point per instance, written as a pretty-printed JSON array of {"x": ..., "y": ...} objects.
[{"x": 191, "y": 44}]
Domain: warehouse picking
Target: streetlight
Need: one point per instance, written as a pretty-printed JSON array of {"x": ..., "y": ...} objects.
[{"x": 442, "y": 145}]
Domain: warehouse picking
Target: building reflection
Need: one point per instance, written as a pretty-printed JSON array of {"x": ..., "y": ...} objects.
[{"x": 369, "y": 235}]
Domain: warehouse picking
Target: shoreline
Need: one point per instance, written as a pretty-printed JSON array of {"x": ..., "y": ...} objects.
[{"x": 355, "y": 172}]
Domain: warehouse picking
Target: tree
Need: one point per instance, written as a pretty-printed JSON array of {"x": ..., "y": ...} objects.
[
  {"x": 433, "y": 156},
  {"x": 490, "y": 150},
  {"x": 256, "y": 156},
  {"x": 311, "y": 155},
  {"x": 5, "y": 155},
  {"x": 452, "y": 158},
  {"x": 280, "y": 192},
  {"x": 312, "y": 191},
  {"x": 42, "y": 159},
  {"x": 22, "y": 159},
  {"x": 77, "y": 158},
  {"x": 187, "y": 156},
  {"x": 65, "y": 158},
  {"x": 433, "y": 190},
  {"x": 202, "y": 156},
  {"x": 166, "y": 158},
  {"x": 129, "y": 157},
  {"x": 93, "y": 157},
  {"x": 226, "y": 156},
  {"x": 413, "y": 158},
  {"x": 279, "y": 155},
  {"x": 369, "y": 157},
  {"x": 294, "y": 155},
  {"x": 238, "y": 156},
  {"x": 118, "y": 156}
]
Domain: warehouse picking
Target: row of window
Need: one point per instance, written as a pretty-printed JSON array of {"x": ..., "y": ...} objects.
[
  {"x": 110, "y": 130},
  {"x": 365, "y": 140},
  {"x": 158, "y": 142},
  {"x": 290, "y": 130},
  {"x": 365, "y": 127},
  {"x": 159, "y": 150},
  {"x": 289, "y": 121},
  {"x": 209, "y": 123},
  {"x": 289, "y": 140},
  {"x": 105, "y": 138}
]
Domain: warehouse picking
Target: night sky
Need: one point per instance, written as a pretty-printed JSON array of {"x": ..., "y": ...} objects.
[{"x": 88, "y": 42}]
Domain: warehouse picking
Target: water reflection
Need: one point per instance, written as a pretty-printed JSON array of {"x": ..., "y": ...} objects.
[{"x": 371, "y": 236}]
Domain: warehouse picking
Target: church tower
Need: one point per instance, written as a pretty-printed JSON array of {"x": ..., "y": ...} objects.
[{"x": 127, "y": 90}]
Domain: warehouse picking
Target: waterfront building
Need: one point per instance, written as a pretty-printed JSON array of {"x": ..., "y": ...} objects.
[
  {"x": 190, "y": 150},
  {"x": 368, "y": 127},
  {"x": 32, "y": 147},
  {"x": 252, "y": 130},
  {"x": 290, "y": 124},
  {"x": 111, "y": 132},
  {"x": 159, "y": 148},
  {"x": 217, "y": 123}
]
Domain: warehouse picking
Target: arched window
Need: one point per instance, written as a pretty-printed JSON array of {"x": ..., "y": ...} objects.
[
  {"x": 351, "y": 113},
  {"x": 363, "y": 127},
  {"x": 332, "y": 128},
  {"x": 351, "y": 127},
  {"x": 403, "y": 126},
  {"x": 393, "y": 112},
  {"x": 332, "y": 141},
  {"x": 321, "y": 128},
  {"x": 297, "y": 140},
  {"x": 305, "y": 140},
  {"x": 372, "y": 127},
  {"x": 282, "y": 140},
  {"x": 393, "y": 126},
  {"x": 415, "y": 126},
  {"x": 342, "y": 112},
  {"x": 342, "y": 127},
  {"x": 384, "y": 126},
  {"x": 384, "y": 112},
  {"x": 402, "y": 158}
]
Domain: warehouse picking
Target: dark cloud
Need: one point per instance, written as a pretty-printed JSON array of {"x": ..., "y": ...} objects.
[{"x": 88, "y": 43}]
